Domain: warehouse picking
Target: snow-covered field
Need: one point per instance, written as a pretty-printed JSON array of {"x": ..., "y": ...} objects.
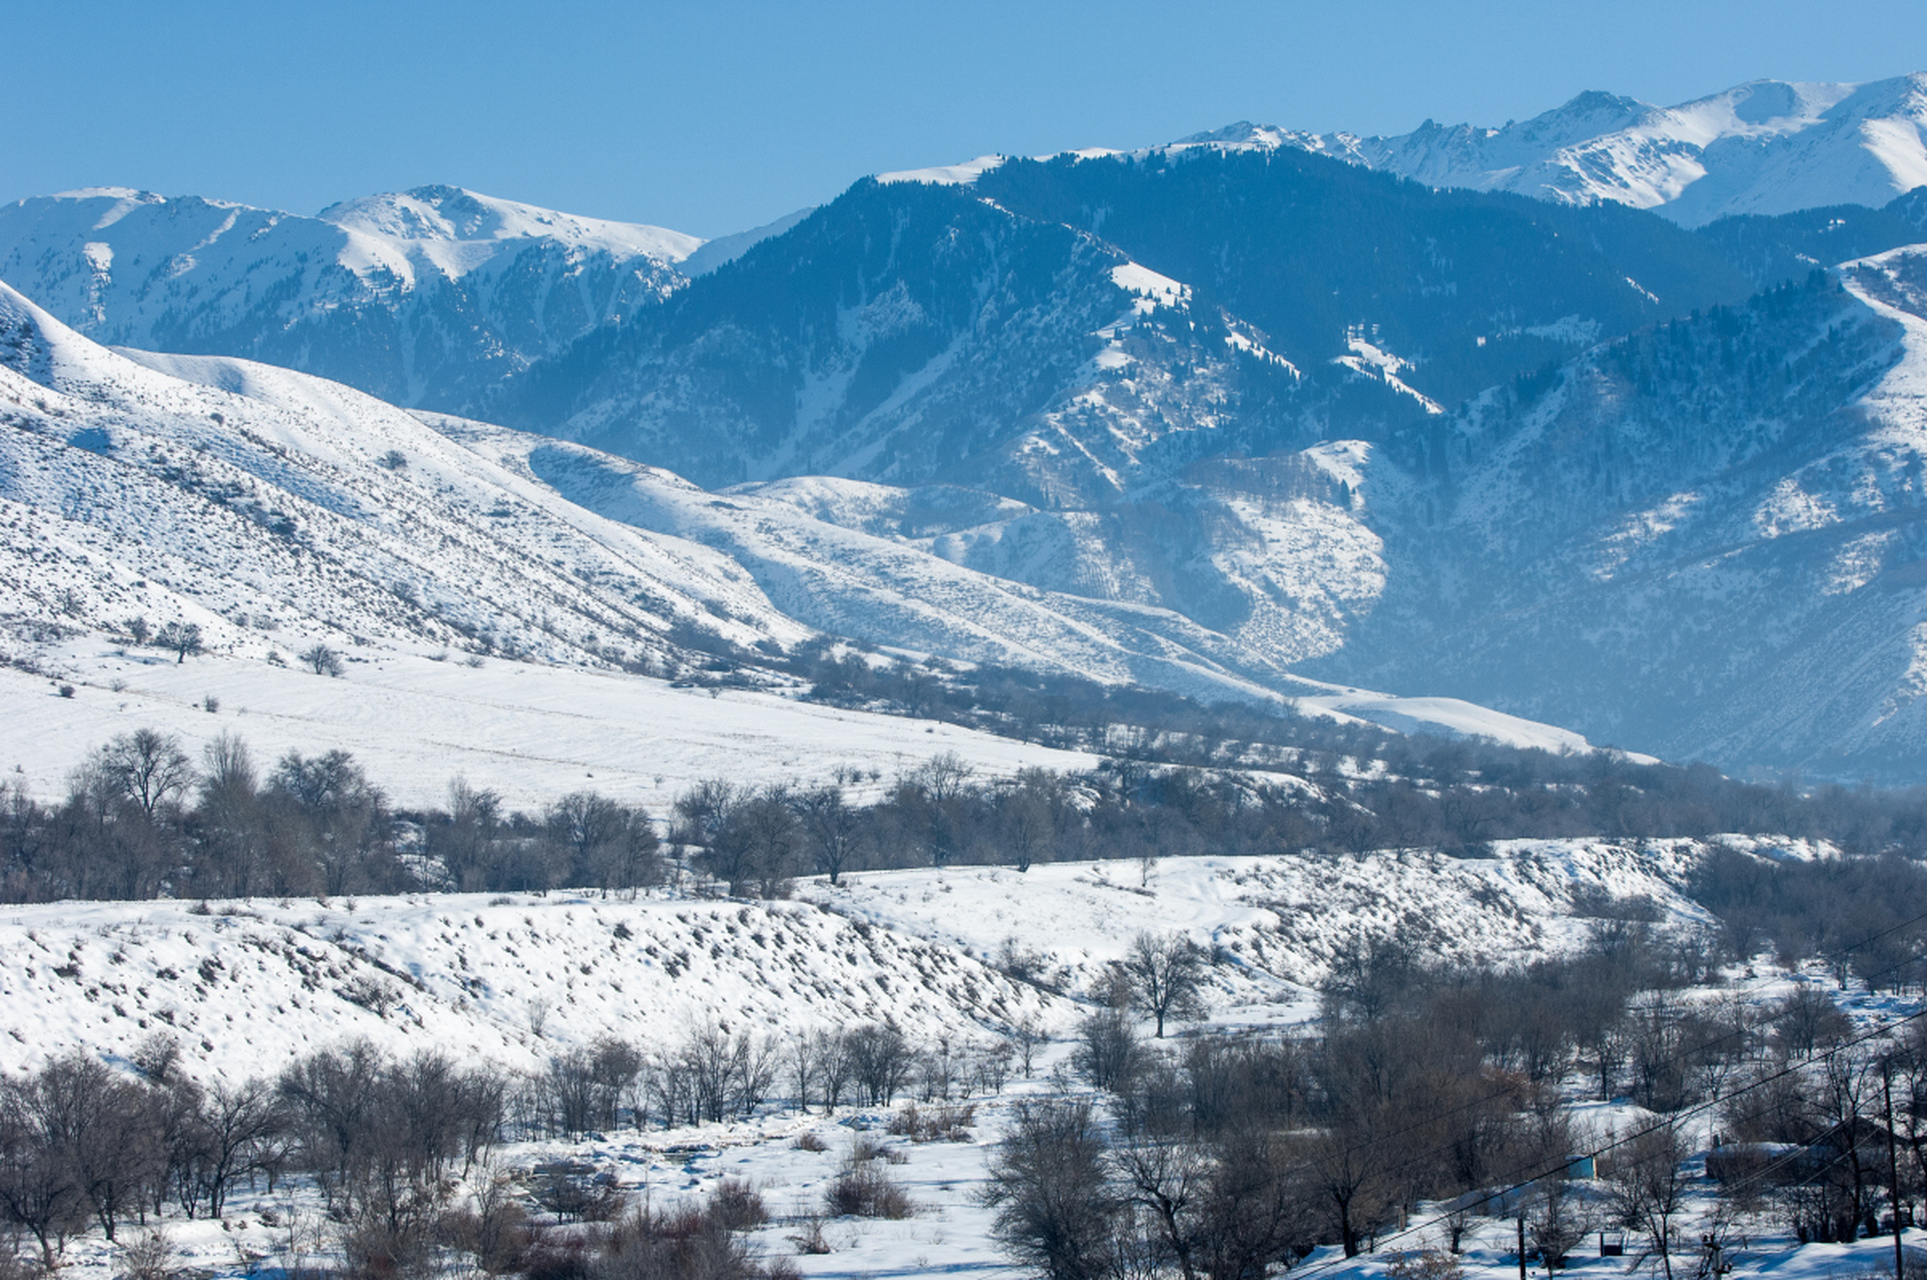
[{"x": 528, "y": 731}]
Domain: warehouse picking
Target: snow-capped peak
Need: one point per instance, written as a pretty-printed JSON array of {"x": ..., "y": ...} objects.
[
  {"x": 446, "y": 213},
  {"x": 1241, "y": 136},
  {"x": 1767, "y": 146},
  {"x": 419, "y": 296},
  {"x": 946, "y": 175}
]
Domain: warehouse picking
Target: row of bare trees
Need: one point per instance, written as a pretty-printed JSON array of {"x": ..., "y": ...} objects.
[
  {"x": 141, "y": 820},
  {"x": 384, "y": 1138},
  {"x": 712, "y": 1073},
  {"x": 81, "y": 1143}
]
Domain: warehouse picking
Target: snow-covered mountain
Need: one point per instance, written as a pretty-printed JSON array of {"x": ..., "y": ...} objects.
[
  {"x": 278, "y": 512},
  {"x": 424, "y": 297},
  {"x": 1706, "y": 539},
  {"x": 275, "y": 510},
  {"x": 1070, "y": 332},
  {"x": 1212, "y": 418},
  {"x": 1769, "y": 146}
]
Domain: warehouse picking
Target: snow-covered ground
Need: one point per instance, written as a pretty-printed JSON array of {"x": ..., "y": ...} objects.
[
  {"x": 529, "y": 732},
  {"x": 1276, "y": 923},
  {"x": 248, "y": 986},
  {"x": 916, "y": 946}
]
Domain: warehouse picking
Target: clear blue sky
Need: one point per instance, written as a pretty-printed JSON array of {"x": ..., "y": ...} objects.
[{"x": 714, "y": 117}]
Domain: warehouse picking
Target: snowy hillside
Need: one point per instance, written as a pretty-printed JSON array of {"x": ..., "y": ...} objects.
[
  {"x": 254, "y": 984},
  {"x": 1768, "y": 146},
  {"x": 487, "y": 589},
  {"x": 275, "y": 511},
  {"x": 423, "y": 297},
  {"x": 511, "y": 981},
  {"x": 1704, "y": 541},
  {"x": 1276, "y": 923}
]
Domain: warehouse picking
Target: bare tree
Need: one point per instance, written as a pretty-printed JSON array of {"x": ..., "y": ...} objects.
[
  {"x": 833, "y": 1063},
  {"x": 1108, "y": 1052},
  {"x": 880, "y": 1060},
  {"x": 1056, "y": 1210},
  {"x": 610, "y": 845},
  {"x": 1029, "y": 1035},
  {"x": 805, "y": 1065},
  {"x": 234, "y": 1133},
  {"x": 1026, "y": 822},
  {"x": 1648, "y": 1187},
  {"x": 38, "y": 1192},
  {"x": 149, "y": 767},
  {"x": 322, "y": 660},
  {"x": 183, "y": 638},
  {"x": 831, "y": 828},
  {"x": 1164, "y": 973}
]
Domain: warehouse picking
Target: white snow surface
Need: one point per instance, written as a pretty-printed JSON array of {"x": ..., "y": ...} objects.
[
  {"x": 253, "y": 984},
  {"x": 530, "y": 732},
  {"x": 1275, "y": 923},
  {"x": 435, "y": 216},
  {"x": 946, "y": 175}
]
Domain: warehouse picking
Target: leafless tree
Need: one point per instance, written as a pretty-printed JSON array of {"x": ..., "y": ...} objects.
[
  {"x": 149, "y": 767},
  {"x": 880, "y": 1060},
  {"x": 832, "y": 829},
  {"x": 1648, "y": 1187},
  {"x": 183, "y": 638},
  {"x": 1165, "y": 972},
  {"x": 322, "y": 660},
  {"x": 1056, "y": 1210}
]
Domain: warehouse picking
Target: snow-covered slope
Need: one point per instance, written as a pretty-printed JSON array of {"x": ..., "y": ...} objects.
[
  {"x": 252, "y": 984},
  {"x": 275, "y": 510},
  {"x": 1274, "y": 925},
  {"x": 527, "y": 731},
  {"x": 1769, "y": 146},
  {"x": 255, "y": 984},
  {"x": 1705, "y": 541},
  {"x": 423, "y": 297},
  {"x": 1073, "y": 332},
  {"x": 278, "y": 512}
]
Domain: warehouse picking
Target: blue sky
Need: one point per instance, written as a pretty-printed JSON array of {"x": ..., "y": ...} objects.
[{"x": 715, "y": 117}]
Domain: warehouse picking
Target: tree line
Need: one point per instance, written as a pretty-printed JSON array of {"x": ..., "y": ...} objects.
[{"x": 141, "y": 819}]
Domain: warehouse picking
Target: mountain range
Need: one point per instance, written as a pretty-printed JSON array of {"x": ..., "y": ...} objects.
[
  {"x": 1610, "y": 419},
  {"x": 1765, "y": 147}
]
